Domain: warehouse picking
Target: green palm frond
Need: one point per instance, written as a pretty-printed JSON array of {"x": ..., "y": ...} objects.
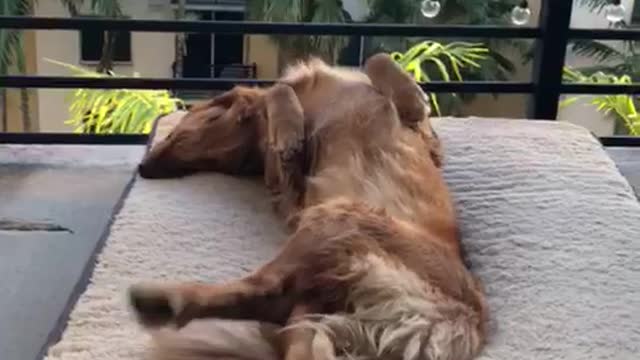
[
  {"x": 72, "y": 6},
  {"x": 328, "y": 11},
  {"x": 595, "y": 49},
  {"x": 594, "y": 5},
  {"x": 394, "y": 11},
  {"x": 316, "y": 11},
  {"x": 498, "y": 65},
  {"x": 115, "y": 111},
  {"x": 11, "y": 47},
  {"x": 623, "y": 107},
  {"x": 430, "y": 60},
  {"x": 616, "y": 61},
  {"x": 110, "y": 8},
  {"x": 12, "y": 53}
]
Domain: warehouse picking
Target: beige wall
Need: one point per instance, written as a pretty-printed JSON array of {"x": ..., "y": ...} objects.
[
  {"x": 264, "y": 52},
  {"x": 152, "y": 55}
]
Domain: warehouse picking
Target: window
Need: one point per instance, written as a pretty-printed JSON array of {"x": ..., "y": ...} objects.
[
  {"x": 635, "y": 13},
  {"x": 92, "y": 41}
]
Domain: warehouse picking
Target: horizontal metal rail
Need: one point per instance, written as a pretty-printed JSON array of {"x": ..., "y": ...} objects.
[
  {"x": 224, "y": 84},
  {"x": 141, "y": 139},
  {"x": 605, "y": 34},
  {"x": 72, "y": 139},
  {"x": 253, "y": 27},
  {"x": 64, "y": 82},
  {"x": 620, "y": 141}
]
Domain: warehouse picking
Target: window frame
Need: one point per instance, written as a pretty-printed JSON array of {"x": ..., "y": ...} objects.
[{"x": 82, "y": 61}]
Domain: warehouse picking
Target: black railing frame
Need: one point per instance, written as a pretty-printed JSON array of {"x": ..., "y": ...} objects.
[{"x": 552, "y": 37}]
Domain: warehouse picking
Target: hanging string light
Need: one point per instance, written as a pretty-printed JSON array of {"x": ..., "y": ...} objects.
[
  {"x": 614, "y": 12},
  {"x": 521, "y": 14},
  {"x": 430, "y": 8}
]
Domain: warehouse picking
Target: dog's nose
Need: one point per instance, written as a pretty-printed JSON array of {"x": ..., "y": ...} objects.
[
  {"x": 145, "y": 171},
  {"x": 164, "y": 171}
]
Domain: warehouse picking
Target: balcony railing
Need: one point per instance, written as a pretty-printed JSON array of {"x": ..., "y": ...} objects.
[
  {"x": 229, "y": 72},
  {"x": 545, "y": 89}
]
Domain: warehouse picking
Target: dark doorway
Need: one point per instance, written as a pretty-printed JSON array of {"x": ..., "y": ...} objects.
[
  {"x": 197, "y": 61},
  {"x": 228, "y": 48}
]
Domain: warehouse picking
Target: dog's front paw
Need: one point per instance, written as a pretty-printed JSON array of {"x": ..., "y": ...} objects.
[{"x": 156, "y": 305}]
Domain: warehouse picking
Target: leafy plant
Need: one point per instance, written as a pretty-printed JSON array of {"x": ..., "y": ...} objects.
[
  {"x": 301, "y": 46},
  {"x": 473, "y": 12},
  {"x": 12, "y": 46},
  {"x": 115, "y": 111},
  {"x": 107, "y": 8},
  {"x": 467, "y": 12},
  {"x": 615, "y": 57},
  {"x": 449, "y": 61},
  {"x": 12, "y": 54},
  {"x": 623, "y": 107}
]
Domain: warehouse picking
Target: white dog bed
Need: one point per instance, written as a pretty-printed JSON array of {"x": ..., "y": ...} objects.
[{"x": 548, "y": 222}]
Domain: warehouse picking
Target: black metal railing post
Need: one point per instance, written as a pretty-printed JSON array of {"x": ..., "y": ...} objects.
[{"x": 551, "y": 50}]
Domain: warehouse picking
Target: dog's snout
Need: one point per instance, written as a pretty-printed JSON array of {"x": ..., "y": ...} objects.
[
  {"x": 143, "y": 170},
  {"x": 149, "y": 171}
]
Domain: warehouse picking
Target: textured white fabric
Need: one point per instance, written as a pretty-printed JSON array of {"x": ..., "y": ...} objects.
[{"x": 549, "y": 225}]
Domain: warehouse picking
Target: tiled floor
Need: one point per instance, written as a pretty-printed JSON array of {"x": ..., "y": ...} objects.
[{"x": 53, "y": 215}]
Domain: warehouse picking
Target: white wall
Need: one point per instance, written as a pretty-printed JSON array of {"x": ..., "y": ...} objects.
[
  {"x": 582, "y": 113},
  {"x": 152, "y": 56}
]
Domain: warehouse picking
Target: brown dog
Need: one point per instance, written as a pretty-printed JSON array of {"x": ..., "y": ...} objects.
[{"x": 372, "y": 267}]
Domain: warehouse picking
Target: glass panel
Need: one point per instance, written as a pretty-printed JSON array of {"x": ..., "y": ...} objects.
[
  {"x": 603, "y": 62},
  {"x": 606, "y": 62},
  {"x": 614, "y": 118},
  {"x": 500, "y": 105},
  {"x": 602, "y": 14}
]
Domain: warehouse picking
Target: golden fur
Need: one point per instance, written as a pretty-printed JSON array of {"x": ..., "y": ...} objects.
[{"x": 373, "y": 266}]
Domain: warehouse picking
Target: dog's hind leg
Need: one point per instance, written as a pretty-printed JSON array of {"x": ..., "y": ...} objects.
[
  {"x": 410, "y": 101},
  {"x": 388, "y": 77},
  {"x": 303, "y": 343},
  {"x": 265, "y": 295}
]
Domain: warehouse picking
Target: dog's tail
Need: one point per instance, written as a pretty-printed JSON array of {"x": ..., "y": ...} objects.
[
  {"x": 216, "y": 340},
  {"x": 395, "y": 316}
]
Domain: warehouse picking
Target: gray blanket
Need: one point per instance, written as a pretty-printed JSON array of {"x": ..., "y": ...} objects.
[
  {"x": 553, "y": 230},
  {"x": 548, "y": 223}
]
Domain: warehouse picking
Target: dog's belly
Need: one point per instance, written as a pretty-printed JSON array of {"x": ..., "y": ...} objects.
[{"x": 398, "y": 176}]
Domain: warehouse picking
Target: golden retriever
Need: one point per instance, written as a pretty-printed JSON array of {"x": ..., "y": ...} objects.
[{"x": 372, "y": 267}]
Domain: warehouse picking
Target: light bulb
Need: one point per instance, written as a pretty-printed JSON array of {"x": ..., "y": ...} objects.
[
  {"x": 521, "y": 14},
  {"x": 430, "y": 8},
  {"x": 614, "y": 12}
]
